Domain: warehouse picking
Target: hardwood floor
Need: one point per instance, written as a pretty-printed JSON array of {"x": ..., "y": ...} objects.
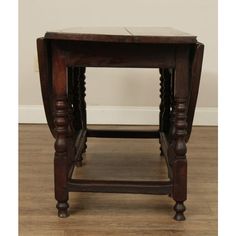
[{"x": 116, "y": 214}]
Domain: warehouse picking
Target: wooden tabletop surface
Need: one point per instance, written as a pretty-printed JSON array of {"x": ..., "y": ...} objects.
[{"x": 123, "y": 34}]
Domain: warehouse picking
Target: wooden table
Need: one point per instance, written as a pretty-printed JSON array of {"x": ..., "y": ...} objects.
[{"x": 63, "y": 58}]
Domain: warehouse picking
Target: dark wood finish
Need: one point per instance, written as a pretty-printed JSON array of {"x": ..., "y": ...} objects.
[
  {"x": 44, "y": 59},
  {"x": 181, "y": 93},
  {"x": 63, "y": 58},
  {"x": 165, "y": 90},
  {"x": 61, "y": 157},
  {"x": 166, "y": 100},
  {"x": 107, "y": 54},
  {"x": 82, "y": 108},
  {"x": 168, "y": 153},
  {"x": 161, "y": 106},
  {"x": 61, "y": 120},
  {"x": 82, "y": 84},
  {"x": 171, "y": 132},
  {"x": 112, "y": 186},
  {"x": 80, "y": 145},
  {"x": 73, "y": 74},
  {"x": 122, "y": 133},
  {"x": 127, "y": 35},
  {"x": 196, "y": 68}
]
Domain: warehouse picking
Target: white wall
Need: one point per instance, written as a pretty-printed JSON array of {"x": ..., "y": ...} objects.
[{"x": 129, "y": 89}]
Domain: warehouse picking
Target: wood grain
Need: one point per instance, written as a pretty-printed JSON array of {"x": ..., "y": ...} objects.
[{"x": 116, "y": 214}]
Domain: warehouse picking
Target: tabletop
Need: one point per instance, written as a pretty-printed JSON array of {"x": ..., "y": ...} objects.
[{"x": 124, "y": 34}]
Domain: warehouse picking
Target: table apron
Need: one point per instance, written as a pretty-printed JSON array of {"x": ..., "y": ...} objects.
[{"x": 118, "y": 55}]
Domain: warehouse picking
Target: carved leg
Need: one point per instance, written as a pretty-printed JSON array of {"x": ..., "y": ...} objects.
[
  {"x": 73, "y": 124},
  {"x": 62, "y": 131},
  {"x": 171, "y": 132},
  {"x": 181, "y": 94},
  {"x": 161, "y": 107},
  {"x": 179, "y": 209},
  {"x": 73, "y": 75},
  {"x": 166, "y": 98},
  {"x": 80, "y": 104},
  {"x": 61, "y": 156},
  {"x": 74, "y": 72},
  {"x": 180, "y": 162},
  {"x": 83, "y": 102},
  {"x": 164, "y": 117}
]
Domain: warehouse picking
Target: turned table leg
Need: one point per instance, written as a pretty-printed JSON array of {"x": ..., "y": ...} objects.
[
  {"x": 164, "y": 115},
  {"x": 161, "y": 106},
  {"x": 82, "y": 103},
  {"x": 74, "y": 89},
  {"x": 62, "y": 133},
  {"x": 181, "y": 92},
  {"x": 80, "y": 91},
  {"x": 180, "y": 162},
  {"x": 61, "y": 157},
  {"x": 78, "y": 99}
]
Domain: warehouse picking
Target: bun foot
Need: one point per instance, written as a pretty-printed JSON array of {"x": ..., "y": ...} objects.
[
  {"x": 179, "y": 209},
  {"x": 62, "y": 209},
  {"x": 63, "y": 213}
]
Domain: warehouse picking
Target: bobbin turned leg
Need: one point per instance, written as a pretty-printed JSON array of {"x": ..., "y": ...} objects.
[
  {"x": 164, "y": 116},
  {"x": 62, "y": 209},
  {"x": 73, "y": 76},
  {"x": 73, "y": 121},
  {"x": 178, "y": 143},
  {"x": 180, "y": 162},
  {"x": 179, "y": 209},
  {"x": 161, "y": 106},
  {"x": 61, "y": 160},
  {"x": 62, "y": 133},
  {"x": 82, "y": 106},
  {"x": 83, "y": 102}
]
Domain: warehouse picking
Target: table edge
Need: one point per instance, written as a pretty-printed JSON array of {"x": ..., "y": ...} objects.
[{"x": 120, "y": 38}]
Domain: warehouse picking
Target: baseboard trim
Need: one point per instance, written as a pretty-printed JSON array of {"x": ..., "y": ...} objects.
[{"x": 123, "y": 115}]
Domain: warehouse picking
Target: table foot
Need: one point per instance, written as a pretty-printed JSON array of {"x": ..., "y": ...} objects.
[
  {"x": 62, "y": 209},
  {"x": 179, "y": 209}
]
